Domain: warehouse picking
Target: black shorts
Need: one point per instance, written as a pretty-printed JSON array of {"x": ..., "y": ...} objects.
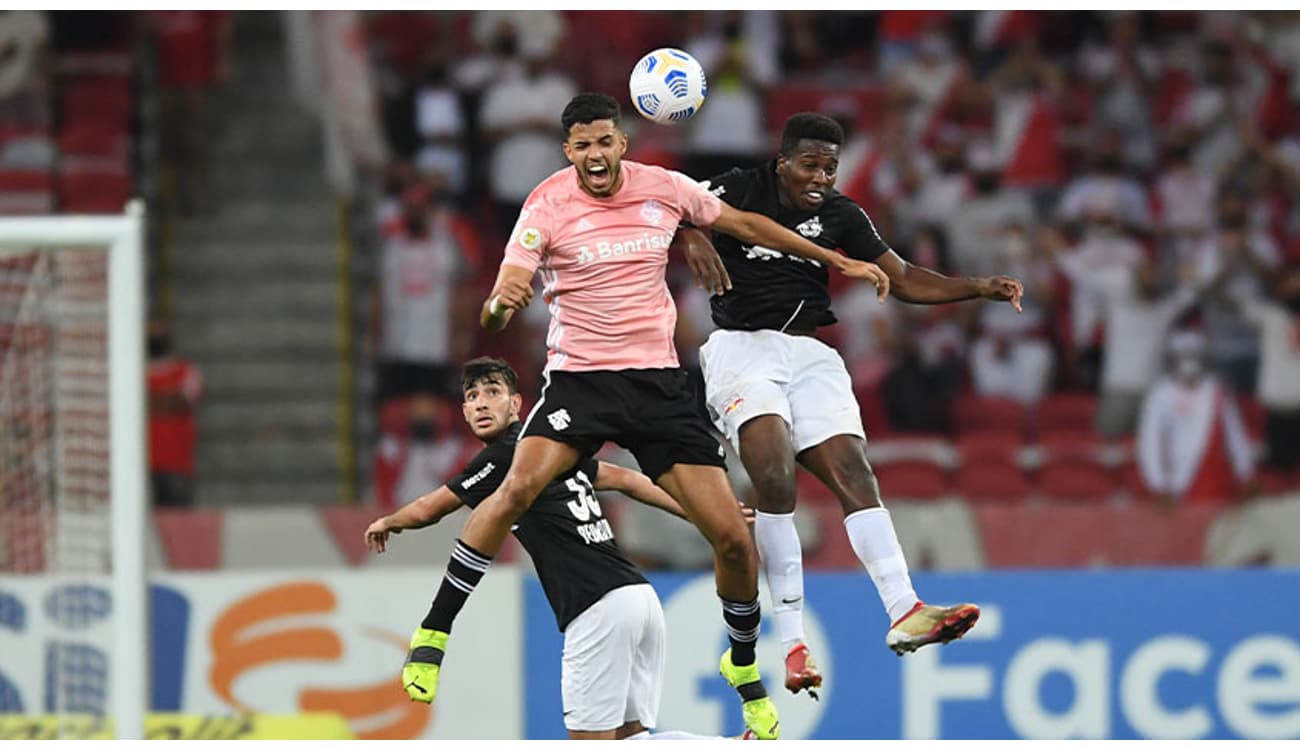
[{"x": 652, "y": 413}]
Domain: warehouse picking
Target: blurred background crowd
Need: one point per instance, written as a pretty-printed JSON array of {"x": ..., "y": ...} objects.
[{"x": 1138, "y": 171}]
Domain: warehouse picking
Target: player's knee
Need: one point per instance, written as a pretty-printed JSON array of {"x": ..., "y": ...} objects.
[
  {"x": 774, "y": 486},
  {"x": 735, "y": 549},
  {"x": 515, "y": 496}
]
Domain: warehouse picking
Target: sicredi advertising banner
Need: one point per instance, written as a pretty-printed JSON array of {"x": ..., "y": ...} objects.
[{"x": 1083, "y": 654}]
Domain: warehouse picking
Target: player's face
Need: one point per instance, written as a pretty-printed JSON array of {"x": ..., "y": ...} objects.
[
  {"x": 807, "y": 174},
  {"x": 595, "y": 149},
  {"x": 490, "y": 408}
]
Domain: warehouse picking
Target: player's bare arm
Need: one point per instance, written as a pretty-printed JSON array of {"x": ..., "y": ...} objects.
[
  {"x": 513, "y": 291},
  {"x": 702, "y": 258},
  {"x": 920, "y": 285},
  {"x": 425, "y": 510},
  {"x": 637, "y": 486},
  {"x": 757, "y": 229}
]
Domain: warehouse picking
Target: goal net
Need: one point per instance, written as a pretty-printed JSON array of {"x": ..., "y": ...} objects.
[{"x": 73, "y": 606}]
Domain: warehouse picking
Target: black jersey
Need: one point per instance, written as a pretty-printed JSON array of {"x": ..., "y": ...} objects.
[
  {"x": 565, "y": 531},
  {"x": 774, "y": 290}
]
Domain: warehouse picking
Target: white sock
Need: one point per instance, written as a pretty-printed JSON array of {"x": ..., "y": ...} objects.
[
  {"x": 871, "y": 532},
  {"x": 782, "y": 559},
  {"x": 670, "y": 735}
]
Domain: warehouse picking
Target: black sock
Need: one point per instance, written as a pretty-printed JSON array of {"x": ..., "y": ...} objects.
[
  {"x": 742, "y": 620},
  {"x": 464, "y": 571}
]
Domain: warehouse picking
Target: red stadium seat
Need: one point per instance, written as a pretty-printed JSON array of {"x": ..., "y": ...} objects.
[
  {"x": 26, "y": 191},
  {"x": 97, "y": 98},
  {"x": 914, "y": 480},
  {"x": 971, "y": 413},
  {"x": 93, "y": 192},
  {"x": 1067, "y": 411},
  {"x": 989, "y": 481},
  {"x": 989, "y": 445},
  {"x": 1076, "y": 480},
  {"x": 94, "y": 138}
]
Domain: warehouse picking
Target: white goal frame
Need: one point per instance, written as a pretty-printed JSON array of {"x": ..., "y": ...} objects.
[{"x": 122, "y": 237}]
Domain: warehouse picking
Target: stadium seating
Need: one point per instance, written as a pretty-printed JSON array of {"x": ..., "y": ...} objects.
[
  {"x": 971, "y": 412},
  {"x": 992, "y": 481},
  {"x": 1072, "y": 412},
  {"x": 913, "y": 480}
]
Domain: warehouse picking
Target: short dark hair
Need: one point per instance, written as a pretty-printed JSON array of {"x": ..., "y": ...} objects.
[
  {"x": 810, "y": 126},
  {"x": 590, "y": 106},
  {"x": 491, "y": 370}
]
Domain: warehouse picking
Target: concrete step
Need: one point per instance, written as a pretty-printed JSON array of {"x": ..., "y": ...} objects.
[
  {"x": 220, "y": 491},
  {"x": 208, "y": 337},
  {"x": 305, "y": 297},
  {"x": 269, "y": 377},
  {"x": 269, "y": 456},
  {"x": 309, "y": 418}
]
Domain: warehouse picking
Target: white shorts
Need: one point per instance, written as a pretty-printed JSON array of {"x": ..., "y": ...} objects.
[
  {"x": 749, "y": 374},
  {"x": 614, "y": 661}
]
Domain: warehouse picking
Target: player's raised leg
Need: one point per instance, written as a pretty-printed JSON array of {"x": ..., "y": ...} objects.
[
  {"x": 537, "y": 461},
  {"x": 768, "y": 456},
  {"x": 841, "y": 464},
  {"x": 706, "y": 496}
]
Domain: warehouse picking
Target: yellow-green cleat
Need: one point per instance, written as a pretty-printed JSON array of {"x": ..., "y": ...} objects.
[
  {"x": 757, "y": 708},
  {"x": 420, "y": 672}
]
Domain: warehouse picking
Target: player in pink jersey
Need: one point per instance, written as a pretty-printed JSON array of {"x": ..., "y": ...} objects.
[{"x": 599, "y": 233}]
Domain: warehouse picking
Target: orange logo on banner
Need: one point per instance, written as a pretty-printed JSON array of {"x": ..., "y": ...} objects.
[{"x": 243, "y": 638}]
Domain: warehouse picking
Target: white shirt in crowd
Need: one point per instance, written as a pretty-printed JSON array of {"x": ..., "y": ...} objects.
[
  {"x": 1278, "y": 384},
  {"x": 418, "y": 282},
  {"x": 1100, "y": 268},
  {"x": 523, "y": 159},
  {"x": 1175, "y": 428}
]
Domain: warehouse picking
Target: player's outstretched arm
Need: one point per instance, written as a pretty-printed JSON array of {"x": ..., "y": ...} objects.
[
  {"x": 757, "y": 229},
  {"x": 920, "y": 285},
  {"x": 637, "y": 486},
  {"x": 425, "y": 510},
  {"x": 513, "y": 291}
]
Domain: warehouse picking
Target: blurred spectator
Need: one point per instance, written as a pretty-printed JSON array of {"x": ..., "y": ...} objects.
[
  {"x": 1138, "y": 321},
  {"x": 738, "y": 51},
  {"x": 901, "y": 33},
  {"x": 927, "y": 86},
  {"x": 505, "y": 38},
  {"x": 1239, "y": 257},
  {"x": 425, "y": 453},
  {"x": 193, "y": 56},
  {"x": 1278, "y": 389},
  {"x": 1107, "y": 183},
  {"x": 1222, "y": 94},
  {"x": 927, "y": 372},
  {"x": 1122, "y": 72},
  {"x": 1011, "y": 358},
  {"x": 1100, "y": 268},
  {"x": 24, "y": 52},
  {"x": 441, "y": 124},
  {"x": 424, "y": 312},
  {"x": 175, "y": 387},
  {"x": 945, "y": 186},
  {"x": 520, "y": 117},
  {"x": 1184, "y": 200},
  {"x": 1028, "y": 127},
  {"x": 976, "y": 224},
  {"x": 1192, "y": 444}
]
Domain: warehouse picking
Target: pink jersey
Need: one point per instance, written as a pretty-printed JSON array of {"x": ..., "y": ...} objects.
[{"x": 602, "y": 262}]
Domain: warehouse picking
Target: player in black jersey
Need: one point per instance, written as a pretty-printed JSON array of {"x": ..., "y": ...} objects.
[
  {"x": 611, "y": 618},
  {"x": 782, "y": 396}
]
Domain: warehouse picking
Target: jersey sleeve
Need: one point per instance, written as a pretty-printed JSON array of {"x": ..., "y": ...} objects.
[
  {"x": 861, "y": 240},
  {"x": 481, "y": 476},
  {"x": 699, "y": 206},
  {"x": 728, "y": 186},
  {"x": 531, "y": 235}
]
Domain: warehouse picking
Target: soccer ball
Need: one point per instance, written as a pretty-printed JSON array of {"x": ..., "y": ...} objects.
[{"x": 667, "y": 86}]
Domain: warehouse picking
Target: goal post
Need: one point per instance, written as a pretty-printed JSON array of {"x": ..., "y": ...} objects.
[{"x": 121, "y": 237}]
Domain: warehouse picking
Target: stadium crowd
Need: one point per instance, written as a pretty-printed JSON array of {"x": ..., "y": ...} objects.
[{"x": 1139, "y": 172}]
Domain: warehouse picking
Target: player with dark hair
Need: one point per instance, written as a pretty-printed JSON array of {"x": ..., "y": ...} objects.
[
  {"x": 599, "y": 233},
  {"x": 612, "y": 622},
  {"x": 783, "y": 397}
]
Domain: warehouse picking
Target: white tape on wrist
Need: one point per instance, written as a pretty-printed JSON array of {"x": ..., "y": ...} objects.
[{"x": 494, "y": 306}]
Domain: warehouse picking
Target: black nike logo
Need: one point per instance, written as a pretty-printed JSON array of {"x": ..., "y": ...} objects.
[{"x": 794, "y": 600}]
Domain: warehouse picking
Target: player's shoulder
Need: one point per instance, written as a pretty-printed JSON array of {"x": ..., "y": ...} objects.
[
  {"x": 553, "y": 191},
  {"x": 839, "y": 204}
]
